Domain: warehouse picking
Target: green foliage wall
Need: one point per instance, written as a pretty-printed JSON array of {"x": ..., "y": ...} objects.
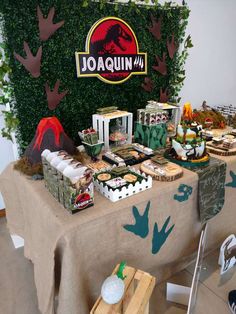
[{"x": 58, "y": 62}]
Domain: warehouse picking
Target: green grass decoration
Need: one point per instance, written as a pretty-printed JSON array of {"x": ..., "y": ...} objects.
[{"x": 58, "y": 62}]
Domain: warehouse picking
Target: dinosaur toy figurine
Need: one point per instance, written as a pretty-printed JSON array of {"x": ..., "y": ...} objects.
[{"x": 120, "y": 271}]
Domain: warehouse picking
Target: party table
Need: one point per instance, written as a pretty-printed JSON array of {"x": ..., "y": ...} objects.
[{"x": 156, "y": 231}]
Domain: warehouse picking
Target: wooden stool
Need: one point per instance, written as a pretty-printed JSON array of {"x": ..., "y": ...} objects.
[{"x": 138, "y": 289}]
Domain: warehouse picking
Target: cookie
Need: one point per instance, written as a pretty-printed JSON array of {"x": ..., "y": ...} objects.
[
  {"x": 104, "y": 177},
  {"x": 130, "y": 178}
]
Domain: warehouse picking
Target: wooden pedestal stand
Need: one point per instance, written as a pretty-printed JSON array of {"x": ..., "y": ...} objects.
[{"x": 138, "y": 289}]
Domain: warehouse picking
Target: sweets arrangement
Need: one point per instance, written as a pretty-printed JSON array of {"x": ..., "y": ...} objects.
[
  {"x": 128, "y": 155},
  {"x": 223, "y": 145},
  {"x": 89, "y": 136},
  {"x": 161, "y": 169},
  {"x": 152, "y": 116},
  {"x": 108, "y": 133},
  {"x": 92, "y": 144},
  {"x": 117, "y": 183},
  {"x": 70, "y": 182}
]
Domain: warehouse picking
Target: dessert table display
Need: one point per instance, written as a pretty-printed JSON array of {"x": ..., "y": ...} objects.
[{"x": 154, "y": 229}]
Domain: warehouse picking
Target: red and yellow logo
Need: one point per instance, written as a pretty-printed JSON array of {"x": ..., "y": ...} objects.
[{"x": 112, "y": 52}]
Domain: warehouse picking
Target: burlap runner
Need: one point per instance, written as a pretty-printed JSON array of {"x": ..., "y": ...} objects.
[{"x": 211, "y": 188}]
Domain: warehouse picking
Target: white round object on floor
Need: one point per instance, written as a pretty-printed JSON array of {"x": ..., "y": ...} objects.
[{"x": 113, "y": 289}]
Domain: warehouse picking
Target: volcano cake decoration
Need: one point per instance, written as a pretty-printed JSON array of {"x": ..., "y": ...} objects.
[
  {"x": 31, "y": 63},
  {"x": 189, "y": 147},
  {"x": 49, "y": 135}
]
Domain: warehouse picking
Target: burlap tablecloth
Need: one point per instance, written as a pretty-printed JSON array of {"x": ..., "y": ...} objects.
[{"x": 76, "y": 252}]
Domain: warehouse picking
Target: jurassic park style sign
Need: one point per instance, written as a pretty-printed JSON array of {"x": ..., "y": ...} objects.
[{"x": 112, "y": 52}]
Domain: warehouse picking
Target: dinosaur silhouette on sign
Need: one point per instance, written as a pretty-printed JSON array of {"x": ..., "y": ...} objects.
[
  {"x": 160, "y": 237},
  {"x": 46, "y": 26},
  {"x": 31, "y": 63},
  {"x": 53, "y": 97},
  {"x": 232, "y": 184},
  {"x": 140, "y": 228},
  {"x": 112, "y": 39}
]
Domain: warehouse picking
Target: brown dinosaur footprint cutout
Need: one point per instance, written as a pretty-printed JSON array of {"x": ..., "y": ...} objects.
[
  {"x": 161, "y": 64},
  {"x": 172, "y": 46},
  {"x": 164, "y": 96},
  {"x": 148, "y": 85},
  {"x": 156, "y": 28},
  {"x": 53, "y": 97},
  {"x": 46, "y": 26},
  {"x": 31, "y": 63}
]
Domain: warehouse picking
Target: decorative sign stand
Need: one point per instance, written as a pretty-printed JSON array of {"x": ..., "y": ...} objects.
[
  {"x": 187, "y": 295},
  {"x": 101, "y": 125}
]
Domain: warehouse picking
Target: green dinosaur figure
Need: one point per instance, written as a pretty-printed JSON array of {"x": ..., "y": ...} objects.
[{"x": 120, "y": 270}]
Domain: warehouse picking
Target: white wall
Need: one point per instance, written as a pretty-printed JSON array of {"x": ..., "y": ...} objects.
[
  {"x": 211, "y": 65},
  {"x": 6, "y": 153}
]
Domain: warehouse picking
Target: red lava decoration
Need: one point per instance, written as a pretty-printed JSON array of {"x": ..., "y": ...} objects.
[{"x": 49, "y": 135}]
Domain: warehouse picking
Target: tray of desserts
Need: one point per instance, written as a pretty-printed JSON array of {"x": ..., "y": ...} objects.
[
  {"x": 161, "y": 169},
  {"x": 223, "y": 145},
  {"x": 128, "y": 155},
  {"x": 117, "y": 183}
]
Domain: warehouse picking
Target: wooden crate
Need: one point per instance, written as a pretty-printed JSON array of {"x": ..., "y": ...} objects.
[{"x": 138, "y": 290}]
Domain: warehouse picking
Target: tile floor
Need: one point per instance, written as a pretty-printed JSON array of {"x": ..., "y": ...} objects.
[{"x": 16, "y": 276}]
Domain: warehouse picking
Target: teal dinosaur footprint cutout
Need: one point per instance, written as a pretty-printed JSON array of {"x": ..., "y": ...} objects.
[
  {"x": 160, "y": 237},
  {"x": 185, "y": 191},
  {"x": 232, "y": 184},
  {"x": 140, "y": 228}
]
